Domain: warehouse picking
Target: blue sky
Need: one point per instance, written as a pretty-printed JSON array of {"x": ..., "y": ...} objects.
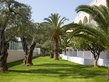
[{"x": 43, "y": 8}]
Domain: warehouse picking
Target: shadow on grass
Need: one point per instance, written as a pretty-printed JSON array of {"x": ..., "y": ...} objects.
[
  {"x": 63, "y": 70},
  {"x": 63, "y": 65},
  {"x": 15, "y": 63}
]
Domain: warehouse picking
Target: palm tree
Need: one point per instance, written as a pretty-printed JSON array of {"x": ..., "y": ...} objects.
[
  {"x": 100, "y": 14},
  {"x": 97, "y": 33},
  {"x": 55, "y": 22}
]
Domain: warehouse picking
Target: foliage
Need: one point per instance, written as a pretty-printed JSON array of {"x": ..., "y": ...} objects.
[
  {"x": 100, "y": 14},
  {"x": 43, "y": 40},
  {"x": 79, "y": 43},
  {"x": 10, "y": 15}
]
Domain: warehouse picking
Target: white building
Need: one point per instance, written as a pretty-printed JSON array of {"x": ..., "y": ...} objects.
[{"x": 83, "y": 17}]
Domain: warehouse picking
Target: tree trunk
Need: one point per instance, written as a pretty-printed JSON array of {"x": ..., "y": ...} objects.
[
  {"x": 28, "y": 52},
  {"x": 96, "y": 49},
  {"x": 52, "y": 50},
  {"x": 96, "y": 57},
  {"x": 95, "y": 62},
  {"x": 29, "y": 57},
  {"x": 25, "y": 48},
  {"x": 3, "y": 53},
  {"x": 65, "y": 51},
  {"x": 56, "y": 50},
  {"x": 51, "y": 54}
]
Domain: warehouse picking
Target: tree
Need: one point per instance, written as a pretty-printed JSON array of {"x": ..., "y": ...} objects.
[
  {"x": 36, "y": 34},
  {"x": 43, "y": 40},
  {"x": 83, "y": 43},
  {"x": 21, "y": 25},
  {"x": 9, "y": 12},
  {"x": 92, "y": 36},
  {"x": 95, "y": 49},
  {"x": 55, "y": 22},
  {"x": 28, "y": 43}
]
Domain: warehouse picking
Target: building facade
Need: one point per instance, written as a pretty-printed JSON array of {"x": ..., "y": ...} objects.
[{"x": 83, "y": 17}]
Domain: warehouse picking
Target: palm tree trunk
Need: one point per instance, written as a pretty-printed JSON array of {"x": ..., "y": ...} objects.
[
  {"x": 29, "y": 57},
  {"x": 3, "y": 53},
  {"x": 56, "y": 49},
  {"x": 52, "y": 50}
]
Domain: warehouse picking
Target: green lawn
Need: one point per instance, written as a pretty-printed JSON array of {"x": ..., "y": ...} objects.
[{"x": 48, "y": 70}]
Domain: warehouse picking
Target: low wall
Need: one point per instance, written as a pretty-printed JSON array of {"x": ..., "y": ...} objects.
[
  {"x": 76, "y": 60},
  {"x": 103, "y": 62},
  {"x": 79, "y": 60},
  {"x": 87, "y": 54},
  {"x": 14, "y": 55},
  {"x": 86, "y": 58}
]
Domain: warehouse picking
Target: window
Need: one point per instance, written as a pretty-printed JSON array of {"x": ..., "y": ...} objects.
[
  {"x": 80, "y": 22},
  {"x": 85, "y": 20}
]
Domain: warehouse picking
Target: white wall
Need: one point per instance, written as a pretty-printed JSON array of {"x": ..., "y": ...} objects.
[
  {"x": 37, "y": 50},
  {"x": 79, "y": 60},
  {"x": 98, "y": 2},
  {"x": 14, "y": 55},
  {"x": 76, "y": 60},
  {"x": 80, "y": 16},
  {"x": 86, "y": 58},
  {"x": 88, "y": 54},
  {"x": 85, "y": 54}
]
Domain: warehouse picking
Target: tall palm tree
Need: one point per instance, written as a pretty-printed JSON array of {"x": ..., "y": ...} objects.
[{"x": 55, "y": 22}]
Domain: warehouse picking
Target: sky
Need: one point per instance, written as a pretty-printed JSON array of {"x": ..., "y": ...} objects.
[{"x": 43, "y": 8}]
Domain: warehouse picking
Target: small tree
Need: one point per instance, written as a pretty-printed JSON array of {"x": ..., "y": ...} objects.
[{"x": 92, "y": 36}]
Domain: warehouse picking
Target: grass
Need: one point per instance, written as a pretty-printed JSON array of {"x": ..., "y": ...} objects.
[{"x": 48, "y": 70}]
